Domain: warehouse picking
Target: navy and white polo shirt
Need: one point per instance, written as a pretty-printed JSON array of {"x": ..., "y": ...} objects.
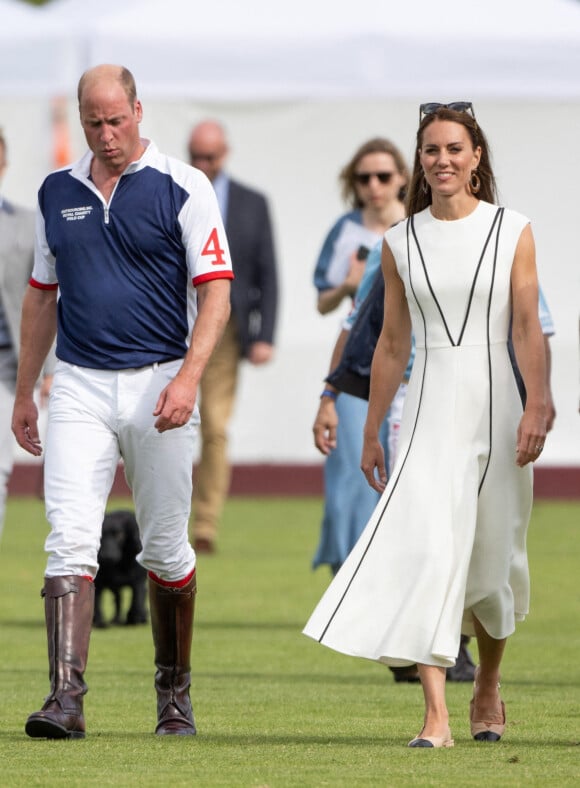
[{"x": 126, "y": 270}]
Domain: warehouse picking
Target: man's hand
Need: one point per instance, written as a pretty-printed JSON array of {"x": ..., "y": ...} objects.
[
  {"x": 25, "y": 426},
  {"x": 260, "y": 353},
  {"x": 175, "y": 405}
]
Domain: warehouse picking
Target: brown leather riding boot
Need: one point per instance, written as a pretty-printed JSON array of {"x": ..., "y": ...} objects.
[
  {"x": 68, "y": 607},
  {"x": 172, "y": 623}
]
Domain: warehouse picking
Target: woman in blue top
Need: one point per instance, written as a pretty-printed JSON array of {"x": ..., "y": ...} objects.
[{"x": 373, "y": 184}]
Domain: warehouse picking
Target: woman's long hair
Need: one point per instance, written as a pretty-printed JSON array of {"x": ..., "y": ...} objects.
[
  {"x": 375, "y": 145},
  {"x": 417, "y": 198}
]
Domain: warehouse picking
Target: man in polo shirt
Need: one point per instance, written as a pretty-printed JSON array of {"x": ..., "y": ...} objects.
[{"x": 134, "y": 243}]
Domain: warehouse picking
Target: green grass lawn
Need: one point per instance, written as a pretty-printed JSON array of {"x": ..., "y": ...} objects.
[{"x": 272, "y": 707}]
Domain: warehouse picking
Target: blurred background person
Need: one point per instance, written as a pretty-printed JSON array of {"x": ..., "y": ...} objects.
[
  {"x": 249, "y": 333},
  {"x": 16, "y": 259},
  {"x": 373, "y": 184}
]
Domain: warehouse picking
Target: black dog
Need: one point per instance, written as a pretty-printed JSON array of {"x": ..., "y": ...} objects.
[{"x": 118, "y": 569}]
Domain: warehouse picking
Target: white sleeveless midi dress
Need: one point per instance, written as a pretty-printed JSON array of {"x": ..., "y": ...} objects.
[{"x": 448, "y": 536}]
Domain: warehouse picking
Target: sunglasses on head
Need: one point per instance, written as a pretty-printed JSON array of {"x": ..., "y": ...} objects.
[
  {"x": 363, "y": 178},
  {"x": 433, "y": 106}
]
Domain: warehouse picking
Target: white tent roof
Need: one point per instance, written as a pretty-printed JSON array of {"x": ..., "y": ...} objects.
[
  {"x": 259, "y": 50},
  {"x": 30, "y": 63}
]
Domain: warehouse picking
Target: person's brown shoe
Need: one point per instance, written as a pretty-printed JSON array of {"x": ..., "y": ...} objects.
[
  {"x": 407, "y": 675},
  {"x": 55, "y": 722},
  {"x": 203, "y": 546}
]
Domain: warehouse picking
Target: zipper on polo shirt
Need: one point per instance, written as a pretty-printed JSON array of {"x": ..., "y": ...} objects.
[{"x": 106, "y": 204}]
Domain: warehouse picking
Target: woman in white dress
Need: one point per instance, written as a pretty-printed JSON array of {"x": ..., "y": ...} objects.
[{"x": 445, "y": 549}]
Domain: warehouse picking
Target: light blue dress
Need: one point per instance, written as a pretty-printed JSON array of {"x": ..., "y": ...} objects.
[{"x": 348, "y": 499}]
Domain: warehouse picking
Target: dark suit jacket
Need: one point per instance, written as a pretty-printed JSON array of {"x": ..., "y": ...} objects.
[{"x": 255, "y": 286}]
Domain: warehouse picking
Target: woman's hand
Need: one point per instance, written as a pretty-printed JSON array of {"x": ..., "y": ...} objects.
[
  {"x": 373, "y": 464},
  {"x": 324, "y": 427},
  {"x": 531, "y": 436},
  {"x": 355, "y": 273}
]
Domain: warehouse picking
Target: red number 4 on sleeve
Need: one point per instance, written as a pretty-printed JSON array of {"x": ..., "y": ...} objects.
[{"x": 214, "y": 249}]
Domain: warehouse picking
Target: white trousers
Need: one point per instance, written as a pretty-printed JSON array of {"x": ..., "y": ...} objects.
[{"x": 96, "y": 418}]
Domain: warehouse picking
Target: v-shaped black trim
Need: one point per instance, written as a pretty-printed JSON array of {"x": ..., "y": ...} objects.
[
  {"x": 489, "y": 365},
  {"x": 472, "y": 290}
]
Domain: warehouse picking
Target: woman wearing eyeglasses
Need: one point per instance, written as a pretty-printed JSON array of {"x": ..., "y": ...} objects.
[
  {"x": 373, "y": 182},
  {"x": 444, "y": 552}
]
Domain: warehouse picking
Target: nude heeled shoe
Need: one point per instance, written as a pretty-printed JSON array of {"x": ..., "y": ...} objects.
[
  {"x": 490, "y": 727},
  {"x": 432, "y": 741}
]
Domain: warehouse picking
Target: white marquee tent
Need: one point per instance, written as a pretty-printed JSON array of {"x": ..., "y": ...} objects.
[
  {"x": 299, "y": 87},
  {"x": 317, "y": 49}
]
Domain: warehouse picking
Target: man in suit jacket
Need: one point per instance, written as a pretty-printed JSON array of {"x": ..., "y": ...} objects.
[
  {"x": 16, "y": 258},
  {"x": 250, "y": 331}
]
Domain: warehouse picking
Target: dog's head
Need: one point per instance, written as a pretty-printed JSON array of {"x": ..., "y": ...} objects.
[{"x": 120, "y": 538}]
